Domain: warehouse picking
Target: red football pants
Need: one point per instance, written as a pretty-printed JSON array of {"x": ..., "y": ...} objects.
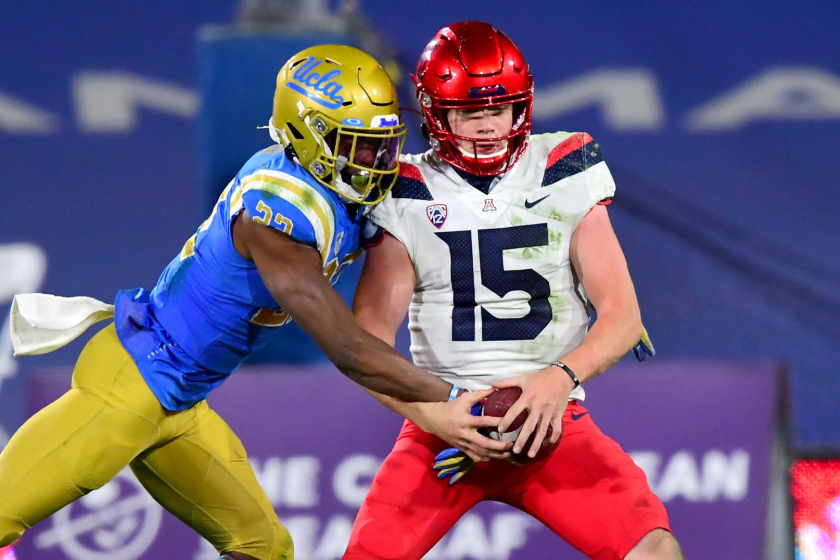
[{"x": 589, "y": 492}]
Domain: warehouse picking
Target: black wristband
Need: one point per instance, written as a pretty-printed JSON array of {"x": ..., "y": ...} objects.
[{"x": 569, "y": 371}]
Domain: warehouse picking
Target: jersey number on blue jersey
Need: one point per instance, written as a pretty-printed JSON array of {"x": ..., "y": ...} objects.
[
  {"x": 265, "y": 219},
  {"x": 491, "y": 246}
]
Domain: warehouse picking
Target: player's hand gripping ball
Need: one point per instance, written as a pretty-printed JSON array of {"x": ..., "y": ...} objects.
[{"x": 498, "y": 404}]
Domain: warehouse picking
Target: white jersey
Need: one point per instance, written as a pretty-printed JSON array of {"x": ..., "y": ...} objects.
[{"x": 495, "y": 293}]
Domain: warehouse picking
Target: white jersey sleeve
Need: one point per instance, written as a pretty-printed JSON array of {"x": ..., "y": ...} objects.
[{"x": 495, "y": 294}]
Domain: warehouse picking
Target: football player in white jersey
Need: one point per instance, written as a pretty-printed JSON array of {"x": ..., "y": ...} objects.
[{"x": 495, "y": 243}]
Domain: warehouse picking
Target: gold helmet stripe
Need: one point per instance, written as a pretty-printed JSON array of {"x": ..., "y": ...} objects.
[{"x": 303, "y": 196}]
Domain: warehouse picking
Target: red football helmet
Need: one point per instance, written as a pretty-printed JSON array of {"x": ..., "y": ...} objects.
[{"x": 473, "y": 65}]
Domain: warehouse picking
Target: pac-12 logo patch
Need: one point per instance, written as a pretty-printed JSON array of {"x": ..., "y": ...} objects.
[{"x": 436, "y": 214}]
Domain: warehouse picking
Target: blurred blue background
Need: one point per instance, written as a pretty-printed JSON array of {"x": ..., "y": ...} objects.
[{"x": 720, "y": 121}]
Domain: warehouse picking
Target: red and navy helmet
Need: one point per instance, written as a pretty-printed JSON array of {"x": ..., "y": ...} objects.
[{"x": 472, "y": 65}]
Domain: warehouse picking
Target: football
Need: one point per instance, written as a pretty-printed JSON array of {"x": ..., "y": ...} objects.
[{"x": 498, "y": 404}]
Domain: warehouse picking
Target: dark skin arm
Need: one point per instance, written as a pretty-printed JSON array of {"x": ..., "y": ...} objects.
[
  {"x": 380, "y": 305},
  {"x": 293, "y": 274}
]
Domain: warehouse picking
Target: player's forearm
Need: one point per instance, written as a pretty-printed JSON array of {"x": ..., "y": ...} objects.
[
  {"x": 613, "y": 334},
  {"x": 376, "y": 366},
  {"x": 416, "y": 412},
  {"x": 375, "y": 324},
  {"x": 362, "y": 357}
]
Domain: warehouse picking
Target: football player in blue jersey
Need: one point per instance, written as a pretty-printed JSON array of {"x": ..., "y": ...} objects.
[{"x": 280, "y": 234}]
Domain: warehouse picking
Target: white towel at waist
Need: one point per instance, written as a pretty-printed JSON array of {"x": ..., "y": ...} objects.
[{"x": 41, "y": 323}]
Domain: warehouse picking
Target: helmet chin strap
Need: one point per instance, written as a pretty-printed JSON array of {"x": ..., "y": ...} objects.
[
  {"x": 275, "y": 133},
  {"x": 347, "y": 189},
  {"x": 482, "y": 156}
]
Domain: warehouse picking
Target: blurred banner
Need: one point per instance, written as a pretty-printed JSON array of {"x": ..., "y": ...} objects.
[{"x": 703, "y": 433}]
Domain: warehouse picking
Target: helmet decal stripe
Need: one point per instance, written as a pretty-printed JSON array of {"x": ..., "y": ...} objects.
[
  {"x": 385, "y": 121},
  {"x": 487, "y": 91}
]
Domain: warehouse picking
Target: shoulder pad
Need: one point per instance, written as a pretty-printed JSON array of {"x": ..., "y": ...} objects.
[
  {"x": 272, "y": 157},
  {"x": 273, "y": 149},
  {"x": 285, "y": 202},
  {"x": 577, "y": 153},
  {"x": 410, "y": 184}
]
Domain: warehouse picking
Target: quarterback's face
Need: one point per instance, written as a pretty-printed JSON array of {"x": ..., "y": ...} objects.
[{"x": 487, "y": 122}]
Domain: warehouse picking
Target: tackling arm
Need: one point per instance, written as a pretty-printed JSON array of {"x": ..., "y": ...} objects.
[
  {"x": 293, "y": 274},
  {"x": 380, "y": 305}
]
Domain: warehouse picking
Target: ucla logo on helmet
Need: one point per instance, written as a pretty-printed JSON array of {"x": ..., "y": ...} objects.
[
  {"x": 322, "y": 89},
  {"x": 436, "y": 214},
  {"x": 380, "y": 121}
]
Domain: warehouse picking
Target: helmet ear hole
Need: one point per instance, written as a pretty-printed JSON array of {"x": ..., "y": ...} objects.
[{"x": 295, "y": 132}]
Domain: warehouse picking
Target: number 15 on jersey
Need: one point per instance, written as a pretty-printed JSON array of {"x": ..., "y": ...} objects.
[{"x": 491, "y": 246}]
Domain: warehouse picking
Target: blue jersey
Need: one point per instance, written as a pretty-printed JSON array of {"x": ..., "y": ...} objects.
[{"x": 210, "y": 309}]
